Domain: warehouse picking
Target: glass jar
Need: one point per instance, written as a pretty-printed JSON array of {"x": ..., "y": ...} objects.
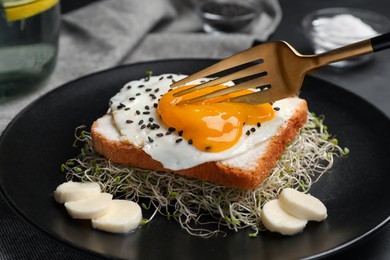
[{"x": 29, "y": 31}]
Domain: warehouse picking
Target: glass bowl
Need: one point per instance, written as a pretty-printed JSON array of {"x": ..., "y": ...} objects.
[
  {"x": 228, "y": 15},
  {"x": 331, "y": 28}
]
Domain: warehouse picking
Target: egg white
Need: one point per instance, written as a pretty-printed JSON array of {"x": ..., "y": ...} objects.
[{"x": 136, "y": 102}]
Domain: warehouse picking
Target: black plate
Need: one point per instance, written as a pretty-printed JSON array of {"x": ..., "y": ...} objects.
[{"x": 40, "y": 139}]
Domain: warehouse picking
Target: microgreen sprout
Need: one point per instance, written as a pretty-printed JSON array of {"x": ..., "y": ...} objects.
[
  {"x": 205, "y": 209},
  {"x": 252, "y": 235},
  {"x": 148, "y": 73},
  {"x": 145, "y": 206},
  {"x": 144, "y": 221}
]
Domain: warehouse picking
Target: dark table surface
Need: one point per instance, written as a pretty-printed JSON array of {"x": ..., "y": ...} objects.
[{"x": 364, "y": 81}]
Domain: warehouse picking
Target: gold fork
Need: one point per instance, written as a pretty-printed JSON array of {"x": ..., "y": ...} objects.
[{"x": 279, "y": 70}]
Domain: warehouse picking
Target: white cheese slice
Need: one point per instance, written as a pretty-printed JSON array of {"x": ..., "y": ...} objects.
[
  {"x": 71, "y": 191},
  {"x": 276, "y": 219},
  {"x": 302, "y": 205},
  {"x": 123, "y": 216},
  {"x": 89, "y": 208}
]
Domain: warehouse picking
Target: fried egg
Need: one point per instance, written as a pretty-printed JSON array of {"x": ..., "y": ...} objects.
[
  {"x": 212, "y": 125},
  {"x": 147, "y": 116}
]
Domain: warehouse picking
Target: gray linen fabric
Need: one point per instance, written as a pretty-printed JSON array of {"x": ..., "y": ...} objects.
[{"x": 103, "y": 35}]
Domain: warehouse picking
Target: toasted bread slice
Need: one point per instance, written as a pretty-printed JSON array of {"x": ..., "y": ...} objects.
[{"x": 246, "y": 171}]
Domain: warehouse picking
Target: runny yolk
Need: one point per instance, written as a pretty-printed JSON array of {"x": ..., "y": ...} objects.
[{"x": 211, "y": 125}]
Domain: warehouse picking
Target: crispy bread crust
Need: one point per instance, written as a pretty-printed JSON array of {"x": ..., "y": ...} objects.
[{"x": 216, "y": 172}]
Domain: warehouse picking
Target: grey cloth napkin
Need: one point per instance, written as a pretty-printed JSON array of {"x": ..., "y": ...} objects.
[{"x": 106, "y": 34}]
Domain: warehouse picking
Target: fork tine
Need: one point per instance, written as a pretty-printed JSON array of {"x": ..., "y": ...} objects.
[
  {"x": 257, "y": 82},
  {"x": 253, "y": 70},
  {"x": 237, "y": 59},
  {"x": 260, "y": 97}
]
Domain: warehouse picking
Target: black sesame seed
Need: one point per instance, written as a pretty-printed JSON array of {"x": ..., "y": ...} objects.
[
  {"x": 170, "y": 77},
  {"x": 160, "y": 135},
  {"x": 127, "y": 108},
  {"x": 147, "y": 107},
  {"x": 138, "y": 112},
  {"x": 169, "y": 90},
  {"x": 141, "y": 86},
  {"x": 180, "y": 132},
  {"x": 143, "y": 126},
  {"x": 148, "y": 90},
  {"x": 178, "y": 140},
  {"x": 190, "y": 141},
  {"x": 161, "y": 78},
  {"x": 168, "y": 133},
  {"x": 258, "y": 124},
  {"x": 138, "y": 94},
  {"x": 129, "y": 121},
  {"x": 151, "y": 119},
  {"x": 248, "y": 132},
  {"x": 276, "y": 108},
  {"x": 207, "y": 148},
  {"x": 157, "y": 90},
  {"x": 128, "y": 87},
  {"x": 140, "y": 122},
  {"x": 148, "y": 125},
  {"x": 120, "y": 106},
  {"x": 253, "y": 129},
  {"x": 156, "y": 126},
  {"x": 146, "y": 112},
  {"x": 155, "y": 105},
  {"x": 150, "y": 139},
  {"x": 132, "y": 98},
  {"x": 171, "y": 129},
  {"x": 152, "y": 96}
]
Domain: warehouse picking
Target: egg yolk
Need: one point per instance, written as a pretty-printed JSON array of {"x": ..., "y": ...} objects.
[{"x": 212, "y": 125}]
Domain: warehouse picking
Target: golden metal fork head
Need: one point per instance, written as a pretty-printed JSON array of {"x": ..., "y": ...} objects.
[
  {"x": 276, "y": 64},
  {"x": 279, "y": 71}
]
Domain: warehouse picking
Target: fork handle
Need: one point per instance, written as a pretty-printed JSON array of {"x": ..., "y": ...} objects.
[
  {"x": 380, "y": 42},
  {"x": 375, "y": 44}
]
